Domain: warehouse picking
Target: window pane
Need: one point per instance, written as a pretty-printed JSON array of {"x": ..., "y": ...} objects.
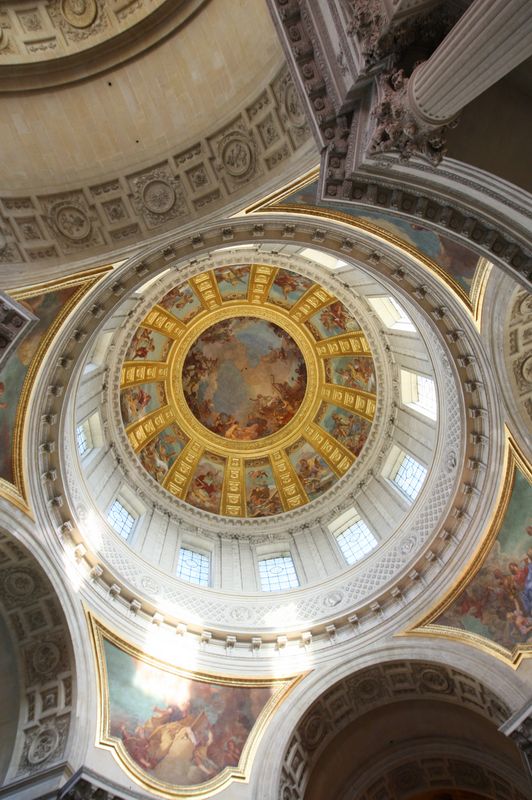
[
  {"x": 83, "y": 438},
  {"x": 193, "y": 567},
  {"x": 356, "y": 542},
  {"x": 392, "y": 314},
  {"x": 409, "y": 477},
  {"x": 121, "y": 520},
  {"x": 277, "y": 574},
  {"x": 426, "y": 395},
  {"x": 402, "y": 320}
]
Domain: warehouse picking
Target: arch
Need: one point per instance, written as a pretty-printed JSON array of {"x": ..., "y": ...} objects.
[
  {"x": 330, "y": 700},
  {"x": 36, "y": 640}
]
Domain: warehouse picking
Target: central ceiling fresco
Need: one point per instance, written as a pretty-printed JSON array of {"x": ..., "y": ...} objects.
[{"x": 248, "y": 391}]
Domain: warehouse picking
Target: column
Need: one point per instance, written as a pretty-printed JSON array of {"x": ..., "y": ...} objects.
[{"x": 488, "y": 41}]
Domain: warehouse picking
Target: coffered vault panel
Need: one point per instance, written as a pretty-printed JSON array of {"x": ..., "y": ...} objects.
[{"x": 139, "y": 189}]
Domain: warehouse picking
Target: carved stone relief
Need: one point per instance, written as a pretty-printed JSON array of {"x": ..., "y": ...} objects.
[
  {"x": 71, "y": 221},
  {"x": 350, "y": 149},
  {"x": 79, "y": 19},
  {"x": 398, "y": 129},
  {"x": 519, "y": 350},
  {"x": 158, "y": 196}
]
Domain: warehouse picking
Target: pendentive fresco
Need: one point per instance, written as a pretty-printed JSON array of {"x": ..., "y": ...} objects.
[
  {"x": 497, "y": 603},
  {"x": 172, "y": 728},
  {"x": 457, "y": 261}
]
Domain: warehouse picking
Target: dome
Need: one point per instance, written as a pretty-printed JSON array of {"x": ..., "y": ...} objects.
[
  {"x": 258, "y": 394},
  {"x": 264, "y": 426},
  {"x": 248, "y": 390}
]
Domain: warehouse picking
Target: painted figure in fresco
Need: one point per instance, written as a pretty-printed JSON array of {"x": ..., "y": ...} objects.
[
  {"x": 335, "y": 316},
  {"x": 358, "y": 374},
  {"x": 263, "y": 499},
  {"x": 350, "y": 430},
  {"x": 182, "y": 731},
  {"x": 247, "y": 432},
  {"x": 155, "y": 461},
  {"x": 343, "y": 426},
  {"x": 176, "y": 298},
  {"x": 312, "y": 473},
  {"x": 219, "y": 333},
  {"x": 233, "y": 275},
  {"x": 153, "y": 741},
  {"x": 526, "y": 595},
  {"x": 134, "y": 402},
  {"x": 141, "y": 344},
  {"x": 309, "y": 467},
  {"x": 200, "y": 755},
  {"x": 196, "y": 368},
  {"x": 244, "y": 378},
  {"x": 498, "y": 602},
  {"x": 288, "y": 282},
  {"x": 205, "y": 488},
  {"x": 519, "y": 625}
]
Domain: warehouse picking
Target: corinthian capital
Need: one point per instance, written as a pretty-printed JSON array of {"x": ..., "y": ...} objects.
[
  {"x": 398, "y": 128},
  {"x": 367, "y": 20}
]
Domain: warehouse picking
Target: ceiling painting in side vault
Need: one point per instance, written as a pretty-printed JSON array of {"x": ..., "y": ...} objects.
[{"x": 248, "y": 391}]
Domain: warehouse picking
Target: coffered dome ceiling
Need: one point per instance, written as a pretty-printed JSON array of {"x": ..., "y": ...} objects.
[
  {"x": 248, "y": 390},
  {"x": 63, "y": 32},
  {"x": 156, "y": 123}
]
